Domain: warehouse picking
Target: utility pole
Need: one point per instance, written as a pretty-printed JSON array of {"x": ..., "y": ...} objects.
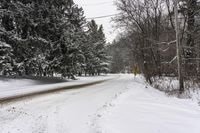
[{"x": 178, "y": 48}]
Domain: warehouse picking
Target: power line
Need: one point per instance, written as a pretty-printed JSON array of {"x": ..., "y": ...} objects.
[
  {"x": 106, "y": 16},
  {"x": 100, "y": 3}
]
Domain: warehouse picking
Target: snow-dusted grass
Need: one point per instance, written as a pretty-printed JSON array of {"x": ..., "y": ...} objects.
[
  {"x": 166, "y": 84},
  {"x": 169, "y": 85}
]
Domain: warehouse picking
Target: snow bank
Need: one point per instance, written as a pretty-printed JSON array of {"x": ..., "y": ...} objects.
[
  {"x": 13, "y": 88},
  {"x": 143, "y": 109}
]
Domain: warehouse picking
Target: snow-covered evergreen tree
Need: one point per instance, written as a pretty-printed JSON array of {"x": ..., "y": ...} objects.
[
  {"x": 96, "y": 54},
  {"x": 101, "y": 52},
  {"x": 48, "y": 37},
  {"x": 66, "y": 54},
  {"x": 19, "y": 23}
]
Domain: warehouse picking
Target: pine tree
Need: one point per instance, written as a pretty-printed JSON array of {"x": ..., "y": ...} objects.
[
  {"x": 68, "y": 47},
  {"x": 101, "y": 52},
  {"x": 96, "y": 56}
]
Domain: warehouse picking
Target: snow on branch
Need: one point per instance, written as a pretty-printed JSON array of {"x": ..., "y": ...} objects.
[
  {"x": 168, "y": 43},
  {"x": 191, "y": 58},
  {"x": 161, "y": 43},
  {"x": 173, "y": 59},
  {"x": 165, "y": 50},
  {"x": 4, "y": 45},
  {"x": 170, "y": 61}
]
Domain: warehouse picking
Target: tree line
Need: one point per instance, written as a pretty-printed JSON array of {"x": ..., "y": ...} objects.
[
  {"x": 49, "y": 38},
  {"x": 149, "y": 31}
]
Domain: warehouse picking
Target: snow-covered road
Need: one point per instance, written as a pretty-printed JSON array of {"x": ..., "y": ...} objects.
[
  {"x": 120, "y": 105},
  {"x": 69, "y": 111}
]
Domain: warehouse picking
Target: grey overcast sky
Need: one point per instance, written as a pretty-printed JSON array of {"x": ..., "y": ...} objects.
[{"x": 96, "y": 8}]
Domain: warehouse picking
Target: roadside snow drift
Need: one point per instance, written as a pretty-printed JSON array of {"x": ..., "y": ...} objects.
[
  {"x": 143, "y": 109},
  {"x": 11, "y": 88}
]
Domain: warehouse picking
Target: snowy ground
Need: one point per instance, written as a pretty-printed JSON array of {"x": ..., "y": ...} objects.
[
  {"x": 121, "y": 105},
  {"x": 143, "y": 109}
]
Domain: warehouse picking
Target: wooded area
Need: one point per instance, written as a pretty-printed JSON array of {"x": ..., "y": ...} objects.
[{"x": 151, "y": 32}]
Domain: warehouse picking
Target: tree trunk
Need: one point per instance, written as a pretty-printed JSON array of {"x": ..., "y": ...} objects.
[{"x": 178, "y": 47}]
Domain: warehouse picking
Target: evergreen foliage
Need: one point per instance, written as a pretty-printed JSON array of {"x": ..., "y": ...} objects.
[
  {"x": 47, "y": 38},
  {"x": 96, "y": 58}
]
